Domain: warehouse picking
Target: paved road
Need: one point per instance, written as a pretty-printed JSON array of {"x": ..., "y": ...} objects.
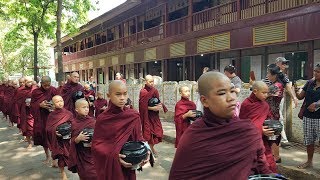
[{"x": 16, "y": 162}]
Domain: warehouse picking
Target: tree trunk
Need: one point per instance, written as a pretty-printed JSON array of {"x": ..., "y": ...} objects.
[
  {"x": 35, "y": 56},
  {"x": 59, "y": 48}
]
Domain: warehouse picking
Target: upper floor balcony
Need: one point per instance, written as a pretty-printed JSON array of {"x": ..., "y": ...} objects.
[{"x": 229, "y": 12}]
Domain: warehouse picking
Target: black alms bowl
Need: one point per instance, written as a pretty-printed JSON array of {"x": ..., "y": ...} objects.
[
  {"x": 77, "y": 95},
  {"x": 267, "y": 177},
  {"x": 198, "y": 114},
  {"x": 135, "y": 152},
  {"x": 65, "y": 130},
  {"x": 153, "y": 102},
  {"x": 89, "y": 132},
  {"x": 275, "y": 125}
]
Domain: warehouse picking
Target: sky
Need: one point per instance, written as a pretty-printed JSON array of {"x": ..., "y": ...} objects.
[{"x": 104, "y": 6}]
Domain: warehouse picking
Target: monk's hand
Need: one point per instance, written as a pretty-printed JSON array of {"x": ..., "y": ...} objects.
[
  {"x": 312, "y": 107},
  {"x": 43, "y": 104},
  {"x": 266, "y": 131},
  {"x": 123, "y": 163},
  {"x": 191, "y": 113},
  {"x": 104, "y": 107},
  {"x": 58, "y": 134},
  {"x": 146, "y": 160},
  {"x": 82, "y": 137}
]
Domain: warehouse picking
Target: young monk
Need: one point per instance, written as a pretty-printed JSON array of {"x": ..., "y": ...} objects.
[
  {"x": 183, "y": 111},
  {"x": 151, "y": 124},
  {"x": 88, "y": 93},
  {"x": 256, "y": 109},
  {"x": 219, "y": 145},
  {"x": 114, "y": 127},
  {"x": 81, "y": 159},
  {"x": 59, "y": 147},
  {"x": 100, "y": 104}
]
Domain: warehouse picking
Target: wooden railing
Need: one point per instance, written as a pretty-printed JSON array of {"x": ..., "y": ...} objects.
[
  {"x": 150, "y": 35},
  {"x": 176, "y": 27},
  {"x": 215, "y": 16}
]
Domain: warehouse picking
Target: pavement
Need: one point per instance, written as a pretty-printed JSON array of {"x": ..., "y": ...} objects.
[
  {"x": 19, "y": 163},
  {"x": 16, "y": 162},
  {"x": 291, "y": 157}
]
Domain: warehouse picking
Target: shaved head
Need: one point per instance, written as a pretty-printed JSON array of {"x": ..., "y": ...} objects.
[
  {"x": 54, "y": 98},
  {"x": 182, "y": 87},
  {"x": 75, "y": 77},
  {"x": 28, "y": 78},
  {"x": 46, "y": 79},
  {"x": 258, "y": 85},
  {"x": 149, "y": 80},
  {"x": 149, "y": 77},
  {"x": 206, "y": 81},
  {"x": 79, "y": 102},
  {"x": 116, "y": 84}
]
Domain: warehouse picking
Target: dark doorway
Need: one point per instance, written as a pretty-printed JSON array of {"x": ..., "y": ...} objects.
[
  {"x": 297, "y": 66},
  {"x": 154, "y": 68},
  {"x": 175, "y": 69}
]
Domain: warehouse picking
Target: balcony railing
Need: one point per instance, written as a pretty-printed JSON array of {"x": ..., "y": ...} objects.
[
  {"x": 208, "y": 18},
  {"x": 176, "y": 27}
]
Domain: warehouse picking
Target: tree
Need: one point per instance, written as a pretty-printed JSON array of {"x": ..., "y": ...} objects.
[
  {"x": 37, "y": 17},
  {"x": 76, "y": 12}
]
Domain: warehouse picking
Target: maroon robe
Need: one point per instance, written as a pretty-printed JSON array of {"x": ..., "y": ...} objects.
[
  {"x": 19, "y": 100},
  {"x": 182, "y": 107},
  {"x": 88, "y": 93},
  {"x": 81, "y": 158},
  {"x": 2, "y": 89},
  {"x": 257, "y": 111},
  {"x": 151, "y": 124},
  {"x": 41, "y": 114},
  {"x": 59, "y": 147},
  {"x": 59, "y": 90},
  {"x": 98, "y": 104},
  {"x": 68, "y": 90},
  {"x": 26, "y": 117},
  {"x": 13, "y": 112},
  {"x": 216, "y": 148},
  {"x": 114, "y": 127},
  {"x": 8, "y": 100}
]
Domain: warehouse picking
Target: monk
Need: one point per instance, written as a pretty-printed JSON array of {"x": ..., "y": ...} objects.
[
  {"x": 61, "y": 84},
  {"x": 58, "y": 146},
  {"x": 100, "y": 104},
  {"x": 41, "y": 107},
  {"x": 219, "y": 145},
  {"x": 19, "y": 100},
  {"x": 150, "y": 120},
  {"x": 256, "y": 109},
  {"x": 69, "y": 89},
  {"x": 26, "y": 117},
  {"x": 11, "y": 103},
  {"x": 8, "y": 100},
  {"x": 81, "y": 158},
  {"x": 114, "y": 127},
  {"x": 88, "y": 93},
  {"x": 183, "y": 111},
  {"x": 2, "y": 88}
]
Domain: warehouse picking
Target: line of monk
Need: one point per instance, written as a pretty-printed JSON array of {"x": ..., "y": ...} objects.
[{"x": 213, "y": 146}]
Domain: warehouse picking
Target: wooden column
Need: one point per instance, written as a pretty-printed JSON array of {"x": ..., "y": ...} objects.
[
  {"x": 183, "y": 68},
  {"x": 238, "y": 64},
  {"x": 165, "y": 19},
  {"x": 190, "y": 11},
  {"x": 238, "y": 10},
  {"x": 310, "y": 63}
]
